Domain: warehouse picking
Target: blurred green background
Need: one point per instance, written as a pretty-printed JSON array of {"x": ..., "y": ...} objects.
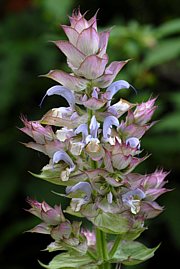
[{"x": 145, "y": 31}]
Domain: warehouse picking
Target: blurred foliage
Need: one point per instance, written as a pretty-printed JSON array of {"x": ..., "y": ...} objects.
[{"x": 25, "y": 53}]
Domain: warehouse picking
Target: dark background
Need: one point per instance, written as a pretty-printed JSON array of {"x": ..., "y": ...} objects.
[{"x": 147, "y": 32}]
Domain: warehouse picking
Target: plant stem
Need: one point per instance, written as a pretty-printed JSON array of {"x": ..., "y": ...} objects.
[
  {"x": 102, "y": 250},
  {"x": 92, "y": 255},
  {"x": 115, "y": 246},
  {"x": 101, "y": 243},
  {"x": 99, "y": 246}
]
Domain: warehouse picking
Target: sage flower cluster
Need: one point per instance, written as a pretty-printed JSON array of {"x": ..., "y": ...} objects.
[{"x": 94, "y": 145}]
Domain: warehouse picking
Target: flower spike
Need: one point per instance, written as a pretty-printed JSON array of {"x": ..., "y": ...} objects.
[{"x": 93, "y": 148}]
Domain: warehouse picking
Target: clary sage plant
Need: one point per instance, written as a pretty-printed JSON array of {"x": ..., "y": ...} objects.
[{"x": 93, "y": 146}]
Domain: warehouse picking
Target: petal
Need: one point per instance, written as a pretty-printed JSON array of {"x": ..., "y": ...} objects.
[
  {"x": 76, "y": 15},
  {"x": 103, "y": 41},
  {"x": 69, "y": 81},
  {"x": 81, "y": 24},
  {"x": 92, "y": 67},
  {"x": 137, "y": 193},
  {"x": 82, "y": 128},
  {"x": 75, "y": 57},
  {"x": 95, "y": 93},
  {"x": 63, "y": 156},
  {"x": 110, "y": 73},
  {"x": 62, "y": 91},
  {"x": 94, "y": 126},
  {"x": 133, "y": 142},
  {"x": 110, "y": 197},
  {"x": 93, "y": 21},
  {"x": 71, "y": 33},
  {"x": 76, "y": 148},
  {"x": 81, "y": 186},
  {"x": 108, "y": 122},
  {"x": 88, "y": 41},
  {"x": 115, "y": 87}
]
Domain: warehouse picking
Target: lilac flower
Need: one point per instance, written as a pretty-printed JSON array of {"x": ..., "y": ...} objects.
[
  {"x": 76, "y": 147},
  {"x": 84, "y": 187},
  {"x": 62, "y": 91},
  {"x": 94, "y": 126},
  {"x": 133, "y": 199},
  {"x": 63, "y": 156},
  {"x": 114, "y": 88},
  {"x": 64, "y": 133},
  {"x": 90, "y": 138},
  {"x": 133, "y": 142},
  {"x": 110, "y": 197},
  {"x": 107, "y": 126},
  {"x": 82, "y": 128},
  {"x": 86, "y": 190}
]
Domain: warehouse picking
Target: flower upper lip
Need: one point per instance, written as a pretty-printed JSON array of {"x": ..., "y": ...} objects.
[{"x": 62, "y": 155}]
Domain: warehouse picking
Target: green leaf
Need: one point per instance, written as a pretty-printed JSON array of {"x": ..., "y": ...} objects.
[
  {"x": 50, "y": 177},
  {"x": 169, "y": 123},
  {"x": 66, "y": 260},
  {"x": 131, "y": 253},
  {"x": 168, "y": 28},
  {"x": 69, "y": 211},
  {"x": 132, "y": 234},
  {"x": 163, "y": 52},
  {"x": 111, "y": 223},
  {"x": 53, "y": 175}
]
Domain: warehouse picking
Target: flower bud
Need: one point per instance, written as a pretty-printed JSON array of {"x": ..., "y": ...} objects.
[
  {"x": 143, "y": 112},
  {"x": 35, "y": 130},
  {"x": 50, "y": 215}
]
